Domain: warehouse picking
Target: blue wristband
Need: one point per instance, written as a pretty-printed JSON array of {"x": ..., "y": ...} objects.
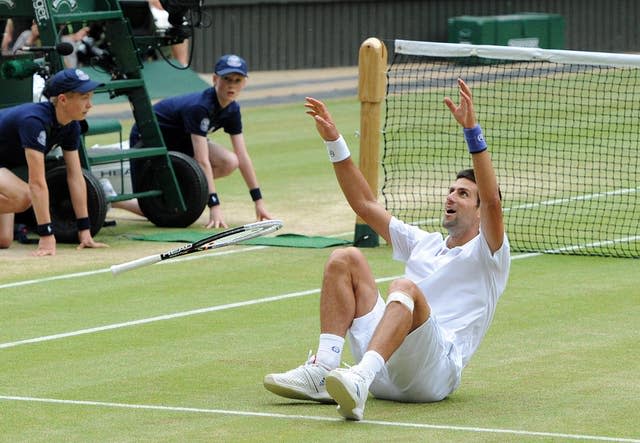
[{"x": 475, "y": 140}]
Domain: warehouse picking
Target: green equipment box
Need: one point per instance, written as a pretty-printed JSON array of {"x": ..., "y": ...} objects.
[{"x": 529, "y": 29}]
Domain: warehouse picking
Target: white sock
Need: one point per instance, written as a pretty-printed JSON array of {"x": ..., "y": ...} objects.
[
  {"x": 370, "y": 365},
  {"x": 330, "y": 351}
]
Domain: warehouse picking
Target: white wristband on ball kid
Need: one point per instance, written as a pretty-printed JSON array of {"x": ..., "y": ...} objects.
[{"x": 338, "y": 150}]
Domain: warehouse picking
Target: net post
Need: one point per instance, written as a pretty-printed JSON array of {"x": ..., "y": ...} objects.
[{"x": 372, "y": 87}]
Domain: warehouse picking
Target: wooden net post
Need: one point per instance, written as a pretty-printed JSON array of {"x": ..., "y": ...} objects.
[{"x": 372, "y": 87}]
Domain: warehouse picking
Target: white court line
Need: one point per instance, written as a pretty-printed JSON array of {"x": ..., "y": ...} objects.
[
  {"x": 101, "y": 271},
  {"x": 593, "y": 245},
  {"x": 237, "y": 304},
  {"x": 272, "y": 415},
  {"x": 189, "y": 313},
  {"x": 143, "y": 321},
  {"x": 558, "y": 201},
  {"x": 318, "y": 418},
  {"x": 585, "y": 197}
]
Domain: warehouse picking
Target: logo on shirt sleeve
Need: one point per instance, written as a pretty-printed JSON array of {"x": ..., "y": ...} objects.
[
  {"x": 42, "y": 138},
  {"x": 204, "y": 124}
]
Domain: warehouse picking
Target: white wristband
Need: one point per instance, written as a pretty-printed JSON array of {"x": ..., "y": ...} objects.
[{"x": 338, "y": 150}]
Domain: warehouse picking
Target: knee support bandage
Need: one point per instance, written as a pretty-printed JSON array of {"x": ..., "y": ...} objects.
[{"x": 401, "y": 297}]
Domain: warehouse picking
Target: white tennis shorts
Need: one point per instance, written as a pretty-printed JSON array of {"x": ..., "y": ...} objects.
[{"x": 425, "y": 368}]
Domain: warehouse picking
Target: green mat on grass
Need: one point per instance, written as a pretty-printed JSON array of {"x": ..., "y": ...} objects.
[{"x": 284, "y": 240}]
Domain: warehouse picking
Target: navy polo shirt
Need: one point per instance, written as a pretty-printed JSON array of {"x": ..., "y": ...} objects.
[
  {"x": 196, "y": 113},
  {"x": 33, "y": 126}
]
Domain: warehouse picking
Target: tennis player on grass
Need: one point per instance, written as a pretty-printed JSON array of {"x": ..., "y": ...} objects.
[
  {"x": 27, "y": 133},
  {"x": 414, "y": 347}
]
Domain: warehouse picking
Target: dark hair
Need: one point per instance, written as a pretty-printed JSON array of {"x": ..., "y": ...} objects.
[{"x": 469, "y": 174}]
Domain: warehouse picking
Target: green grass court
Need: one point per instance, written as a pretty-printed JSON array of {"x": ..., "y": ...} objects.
[{"x": 177, "y": 351}]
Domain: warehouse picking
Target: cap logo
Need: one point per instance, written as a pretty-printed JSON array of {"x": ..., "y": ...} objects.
[
  {"x": 9, "y": 3},
  {"x": 234, "y": 61},
  {"x": 81, "y": 75}
]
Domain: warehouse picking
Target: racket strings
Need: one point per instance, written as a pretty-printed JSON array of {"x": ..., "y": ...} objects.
[{"x": 249, "y": 232}]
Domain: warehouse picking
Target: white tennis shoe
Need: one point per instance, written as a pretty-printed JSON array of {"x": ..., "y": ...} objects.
[
  {"x": 350, "y": 390},
  {"x": 107, "y": 187},
  {"x": 306, "y": 382}
]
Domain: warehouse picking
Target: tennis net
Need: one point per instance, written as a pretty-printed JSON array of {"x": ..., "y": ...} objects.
[{"x": 563, "y": 128}]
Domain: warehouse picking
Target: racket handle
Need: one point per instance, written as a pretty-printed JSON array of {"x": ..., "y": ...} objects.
[{"x": 117, "y": 269}]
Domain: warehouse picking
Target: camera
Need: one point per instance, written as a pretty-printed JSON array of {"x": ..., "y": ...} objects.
[{"x": 183, "y": 15}]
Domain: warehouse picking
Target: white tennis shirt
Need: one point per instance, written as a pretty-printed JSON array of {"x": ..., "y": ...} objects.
[{"x": 462, "y": 285}]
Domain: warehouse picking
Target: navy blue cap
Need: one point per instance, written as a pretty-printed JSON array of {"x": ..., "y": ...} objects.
[
  {"x": 231, "y": 63},
  {"x": 69, "y": 80}
]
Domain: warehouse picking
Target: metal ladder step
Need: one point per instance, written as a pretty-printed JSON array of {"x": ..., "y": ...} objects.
[
  {"x": 101, "y": 158},
  {"x": 119, "y": 85},
  {"x": 80, "y": 17},
  {"x": 129, "y": 196}
]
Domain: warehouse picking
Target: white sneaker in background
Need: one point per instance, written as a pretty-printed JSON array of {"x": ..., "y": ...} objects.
[{"x": 107, "y": 187}]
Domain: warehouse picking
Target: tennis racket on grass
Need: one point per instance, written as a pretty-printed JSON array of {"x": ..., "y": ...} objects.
[{"x": 224, "y": 238}]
